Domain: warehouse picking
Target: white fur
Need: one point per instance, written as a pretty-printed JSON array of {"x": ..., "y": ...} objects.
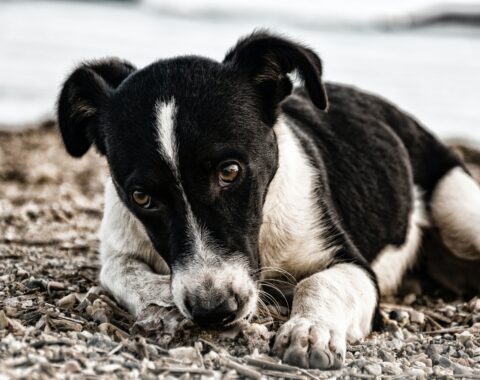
[
  {"x": 336, "y": 305},
  {"x": 132, "y": 270},
  {"x": 342, "y": 297},
  {"x": 165, "y": 113},
  {"x": 292, "y": 236},
  {"x": 214, "y": 276},
  {"x": 456, "y": 212},
  {"x": 391, "y": 264}
]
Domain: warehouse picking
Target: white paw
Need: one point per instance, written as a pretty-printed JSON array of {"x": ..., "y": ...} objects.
[
  {"x": 156, "y": 318},
  {"x": 308, "y": 343}
]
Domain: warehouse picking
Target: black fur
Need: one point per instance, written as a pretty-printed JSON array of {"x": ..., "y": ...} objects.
[{"x": 83, "y": 95}]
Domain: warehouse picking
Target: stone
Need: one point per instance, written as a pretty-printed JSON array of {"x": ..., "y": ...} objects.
[
  {"x": 68, "y": 301},
  {"x": 417, "y": 373},
  {"x": 444, "y": 362},
  {"x": 373, "y": 369},
  {"x": 461, "y": 370},
  {"x": 434, "y": 349},
  {"x": 474, "y": 305},
  {"x": 186, "y": 355},
  {"x": 391, "y": 369},
  {"x": 399, "y": 315},
  {"x": 464, "y": 336},
  {"x": 72, "y": 366},
  {"x": 409, "y": 299},
  {"x": 386, "y": 356},
  {"x": 3, "y": 320},
  {"x": 417, "y": 317}
]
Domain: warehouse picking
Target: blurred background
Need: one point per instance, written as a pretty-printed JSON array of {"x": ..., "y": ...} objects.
[{"x": 422, "y": 54}]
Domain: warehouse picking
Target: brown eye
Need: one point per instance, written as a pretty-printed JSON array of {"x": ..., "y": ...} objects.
[
  {"x": 228, "y": 173},
  {"x": 141, "y": 199}
]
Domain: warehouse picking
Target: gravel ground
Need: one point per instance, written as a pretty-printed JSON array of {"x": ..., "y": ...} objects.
[{"x": 56, "y": 322}]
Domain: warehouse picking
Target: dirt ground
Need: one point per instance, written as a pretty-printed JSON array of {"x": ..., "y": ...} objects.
[{"x": 56, "y": 322}]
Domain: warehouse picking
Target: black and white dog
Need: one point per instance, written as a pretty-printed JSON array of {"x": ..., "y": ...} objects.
[{"x": 221, "y": 176}]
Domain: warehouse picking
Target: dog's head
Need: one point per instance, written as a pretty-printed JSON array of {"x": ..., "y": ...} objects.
[{"x": 191, "y": 151}]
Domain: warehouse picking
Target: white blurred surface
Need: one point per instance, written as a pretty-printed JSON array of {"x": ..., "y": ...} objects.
[{"x": 434, "y": 73}]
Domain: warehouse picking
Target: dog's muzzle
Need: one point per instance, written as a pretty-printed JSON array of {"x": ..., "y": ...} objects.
[{"x": 215, "y": 296}]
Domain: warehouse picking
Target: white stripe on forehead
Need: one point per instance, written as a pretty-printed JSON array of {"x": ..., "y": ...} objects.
[{"x": 165, "y": 113}]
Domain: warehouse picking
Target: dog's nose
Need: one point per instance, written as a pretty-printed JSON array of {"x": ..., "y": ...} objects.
[{"x": 214, "y": 315}]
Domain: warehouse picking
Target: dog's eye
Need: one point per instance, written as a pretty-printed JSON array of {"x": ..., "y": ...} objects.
[
  {"x": 228, "y": 173},
  {"x": 142, "y": 199}
]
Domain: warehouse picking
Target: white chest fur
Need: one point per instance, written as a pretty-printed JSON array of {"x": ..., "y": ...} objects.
[{"x": 292, "y": 237}]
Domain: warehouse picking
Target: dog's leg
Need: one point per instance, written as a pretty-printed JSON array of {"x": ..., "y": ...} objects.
[
  {"x": 144, "y": 293},
  {"x": 329, "y": 308},
  {"x": 134, "y": 285},
  {"x": 456, "y": 212},
  {"x": 132, "y": 271}
]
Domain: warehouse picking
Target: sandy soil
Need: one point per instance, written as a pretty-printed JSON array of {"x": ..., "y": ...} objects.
[{"x": 55, "y": 321}]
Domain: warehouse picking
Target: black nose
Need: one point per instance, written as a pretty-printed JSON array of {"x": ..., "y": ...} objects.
[{"x": 214, "y": 315}]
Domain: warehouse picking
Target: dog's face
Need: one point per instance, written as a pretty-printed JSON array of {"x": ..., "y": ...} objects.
[{"x": 191, "y": 151}]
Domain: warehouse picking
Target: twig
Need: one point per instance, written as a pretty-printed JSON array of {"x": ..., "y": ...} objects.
[
  {"x": 447, "y": 330},
  {"x": 154, "y": 344},
  {"x": 283, "y": 375},
  {"x": 196, "y": 371},
  {"x": 437, "y": 325},
  {"x": 213, "y": 346},
  {"x": 116, "y": 308},
  {"x": 68, "y": 318},
  {"x": 269, "y": 365},
  {"x": 230, "y": 362},
  {"x": 115, "y": 350},
  {"x": 437, "y": 316},
  {"x": 240, "y": 368},
  {"x": 278, "y": 367}
]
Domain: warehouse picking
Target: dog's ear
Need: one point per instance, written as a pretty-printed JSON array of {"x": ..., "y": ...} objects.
[
  {"x": 267, "y": 59},
  {"x": 83, "y": 95}
]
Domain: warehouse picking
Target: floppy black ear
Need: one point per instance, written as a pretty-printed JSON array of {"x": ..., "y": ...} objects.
[
  {"x": 83, "y": 95},
  {"x": 267, "y": 59}
]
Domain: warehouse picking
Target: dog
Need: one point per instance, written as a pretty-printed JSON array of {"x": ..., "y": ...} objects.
[{"x": 225, "y": 174}]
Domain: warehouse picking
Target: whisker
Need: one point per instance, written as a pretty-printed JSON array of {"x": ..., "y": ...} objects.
[
  {"x": 263, "y": 308},
  {"x": 281, "y": 293},
  {"x": 276, "y": 280},
  {"x": 281, "y": 271},
  {"x": 271, "y": 300}
]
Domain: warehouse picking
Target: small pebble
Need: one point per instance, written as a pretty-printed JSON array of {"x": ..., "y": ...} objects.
[
  {"x": 464, "y": 336},
  {"x": 391, "y": 369},
  {"x": 409, "y": 299},
  {"x": 444, "y": 362},
  {"x": 461, "y": 370},
  {"x": 417, "y": 317},
  {"x": 399, "y": 315},
  {"x": 72, "y": 366},
  {"x": 3, "y": 320},
  {"x": 373, "y": 369},
  {"x": 68, "y": 301}
]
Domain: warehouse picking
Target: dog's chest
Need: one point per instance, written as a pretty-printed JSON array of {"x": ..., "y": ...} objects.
[{"x": 292, "y": 237}]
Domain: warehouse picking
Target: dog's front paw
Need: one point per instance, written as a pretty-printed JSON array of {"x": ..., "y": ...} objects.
[
  {"x": 308, "y": 343},
  {"x": 155, "y": 318}
]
